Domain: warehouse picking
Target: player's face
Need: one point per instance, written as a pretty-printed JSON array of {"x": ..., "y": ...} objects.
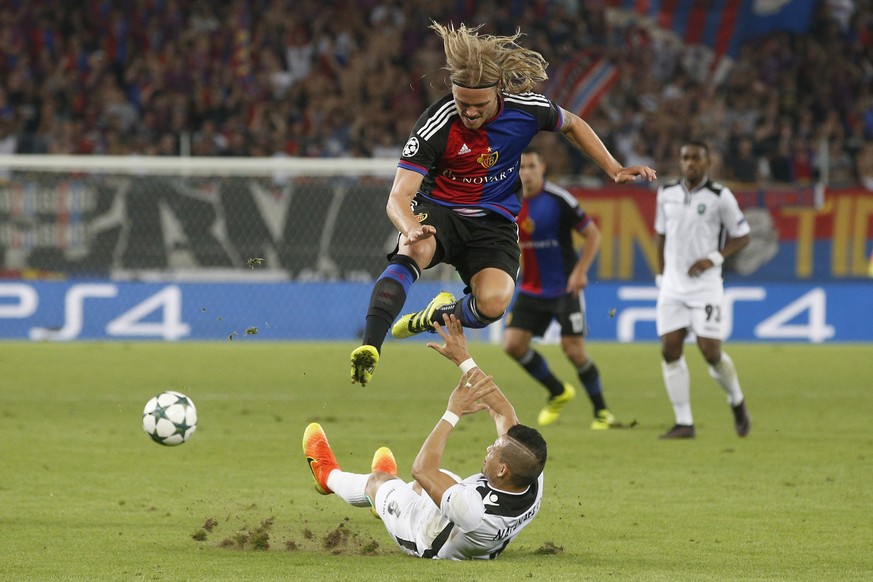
[
  {"x": 476, "y": 106},
  {"x": 533, "y": 172},
  {"x": 694, "y": 162},
  {"x": 491, "y": 465}
]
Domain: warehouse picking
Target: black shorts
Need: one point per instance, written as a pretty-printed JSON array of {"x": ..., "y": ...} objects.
[
  {"x": 469, "y": 244},
  {"x": 534, "y": 314}
]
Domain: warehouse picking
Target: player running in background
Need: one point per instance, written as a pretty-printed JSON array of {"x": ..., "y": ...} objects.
[
  {"x": 456, "y": 191},
  {"x": 439, "y": 515},
  {"x": 553, "y": 278},
  {"x": 692, "y": 219}
]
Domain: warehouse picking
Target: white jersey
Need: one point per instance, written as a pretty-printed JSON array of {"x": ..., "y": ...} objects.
[
  {"x": 473, "y": 521},
  {"x": 695, "y": 224}
]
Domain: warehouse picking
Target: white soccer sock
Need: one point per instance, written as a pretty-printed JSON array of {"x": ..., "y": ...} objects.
[
  {"x": 350, "y": 487},
  {"x": 677, "y": 380},
  {"x": 725, "y": 373}
]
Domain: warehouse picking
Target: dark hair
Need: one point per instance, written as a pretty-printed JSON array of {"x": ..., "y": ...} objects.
[
  {"x": 697, "y": 143},
  {"x": 533, "y": 441}
]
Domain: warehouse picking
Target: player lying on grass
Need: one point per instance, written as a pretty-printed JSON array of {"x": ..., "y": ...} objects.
[{"x": 438, "y": 515}]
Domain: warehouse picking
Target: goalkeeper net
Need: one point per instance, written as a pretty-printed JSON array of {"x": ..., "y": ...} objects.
[{"x": 164, "y": 218}]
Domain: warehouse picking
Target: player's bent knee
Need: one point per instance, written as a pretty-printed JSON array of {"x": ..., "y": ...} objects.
[
  {"x": 376, "y": 480},
  {"x": 514, "y": 349},
  {"x": 492, "y": 305}
]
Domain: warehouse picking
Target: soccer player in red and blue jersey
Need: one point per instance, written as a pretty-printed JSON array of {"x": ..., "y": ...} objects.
[
  {"x": 553, "y": 278},
  {"x": 456, "y": 191}
]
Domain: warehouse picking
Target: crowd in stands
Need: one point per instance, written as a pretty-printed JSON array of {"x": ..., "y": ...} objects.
[{"x": 317, "y": 78}]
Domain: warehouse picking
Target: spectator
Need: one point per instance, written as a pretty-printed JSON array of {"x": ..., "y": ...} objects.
[
  {"x": 73, "y": 73},
  {"x": 864, "y": 165},
  {"x": 743, "y": 165}
]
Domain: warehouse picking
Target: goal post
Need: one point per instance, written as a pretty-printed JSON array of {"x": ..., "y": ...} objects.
[{"x": 137, "y": 217}]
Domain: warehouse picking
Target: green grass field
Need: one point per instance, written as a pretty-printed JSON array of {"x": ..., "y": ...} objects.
[{"x": 85, "y": 495}]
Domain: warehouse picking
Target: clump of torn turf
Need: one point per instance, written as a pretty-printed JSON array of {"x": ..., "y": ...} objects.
[
  {"x": 201, "y": 534},
  {"x": 549, "y": 549},
  {"x": 336, "y": 537},
  {"x": 339, "y": 540},
  {"x": 250, "y": 539}
]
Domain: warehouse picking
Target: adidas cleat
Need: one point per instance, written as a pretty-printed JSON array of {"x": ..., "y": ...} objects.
[
  {"x": 364, "y": 360},
  {"x": 603, "y": 421},
  {"x": 553, "y": 407},
  {"x": 415, "y": 323}
]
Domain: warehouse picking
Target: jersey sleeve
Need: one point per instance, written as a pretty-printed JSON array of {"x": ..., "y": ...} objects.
[
  {"x": 554, "y": 118},
  {"x": 576, "y": 215},
  {"x": 660, "y": 225},
  {"x": 731, "y": 216},
  {"x": 463, "y": 506},
  {"x": 427, "y": 140}
]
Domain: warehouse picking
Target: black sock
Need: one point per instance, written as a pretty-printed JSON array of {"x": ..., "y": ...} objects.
[
  {"x": 386, "y": 302},
  {"x": 536, "y": 366},
  {"x": 589, "y": 375},
  {"x": 387, "y": 299}
]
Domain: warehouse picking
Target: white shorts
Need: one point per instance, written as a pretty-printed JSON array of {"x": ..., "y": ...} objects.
[
  {"x": 701, "y": 312},
  {"x": 413, "y": 520}
]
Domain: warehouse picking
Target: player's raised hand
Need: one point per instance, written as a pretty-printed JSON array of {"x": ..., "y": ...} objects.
[
  {"x": 472, "y": 387},
  {"x": 635, "y": 174},
  {"x": 418, "y": 234},
  {"x": 454, "y": 347}
]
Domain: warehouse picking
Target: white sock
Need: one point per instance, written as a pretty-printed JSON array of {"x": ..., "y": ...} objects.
[
  {"x": 677, "y": 380},
  {"x": 350, "y": 487},
  {"x": 725, "y": 373}
]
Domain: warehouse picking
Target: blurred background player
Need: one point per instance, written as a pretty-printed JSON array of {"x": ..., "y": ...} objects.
[
  {"x": 553, "y": 278},
  {"x": 438, "y": 515},
  {"x": 693, "y": 218},
  {"x": 456, "y": 191}
]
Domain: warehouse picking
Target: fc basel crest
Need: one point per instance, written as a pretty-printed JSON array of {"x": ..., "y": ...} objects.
[
  {"x": 488, "y": 159},
  {"x": 528, "y": 225}
]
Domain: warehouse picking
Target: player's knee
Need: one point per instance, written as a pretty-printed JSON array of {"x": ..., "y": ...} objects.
[
  {"x": 514, "y": 348},
  {"x": 670, "y": 352},
  {"x": 422, "y": 252},
  {"x": 711, "y": 355},
  {"x": 574, "y": 350},
  {"x": 492, "y": 304},
  {"x": 376, "y": 480}
]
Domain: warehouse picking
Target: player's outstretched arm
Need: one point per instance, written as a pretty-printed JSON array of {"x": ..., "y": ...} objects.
[
  {"x": 583, "y": 137},
  {"x": 455, "y": 349},
  {"x": 464, "y": 400}
]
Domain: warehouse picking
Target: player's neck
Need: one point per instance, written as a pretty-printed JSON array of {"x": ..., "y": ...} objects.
[
  {"x": 697, "y": 184},
  {"x": 506, "y": 487},
  {"x": 535, "y": 191}
]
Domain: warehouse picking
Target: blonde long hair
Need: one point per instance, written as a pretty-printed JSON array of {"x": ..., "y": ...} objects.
[{"x": 476, "y": 60}]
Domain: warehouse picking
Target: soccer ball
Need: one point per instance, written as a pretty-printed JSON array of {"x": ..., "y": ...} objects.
[{"x": 170, "y": 418}]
